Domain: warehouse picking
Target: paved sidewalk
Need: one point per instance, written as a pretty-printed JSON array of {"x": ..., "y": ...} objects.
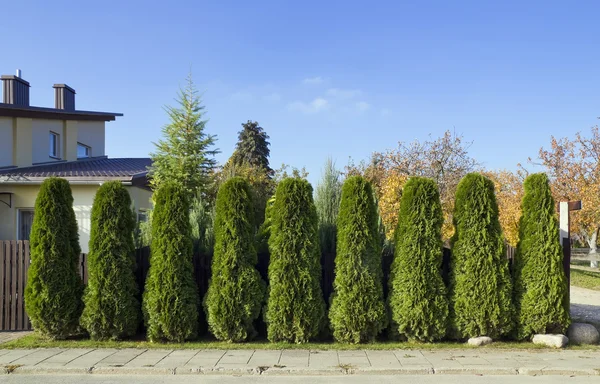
[{"x": 299, "y": 362}]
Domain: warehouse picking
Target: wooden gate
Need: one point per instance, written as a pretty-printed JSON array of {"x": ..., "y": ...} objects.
[{"x": 14, "y": 259}]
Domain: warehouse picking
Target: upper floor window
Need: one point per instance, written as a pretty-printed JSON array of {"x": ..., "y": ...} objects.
[
  {"x": 83, "y": 151},
  {"x": 54, "y": 145}
]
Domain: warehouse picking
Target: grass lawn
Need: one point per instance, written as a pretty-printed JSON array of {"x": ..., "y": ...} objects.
[
  {"x": 36, "y": 341},
  {"x": 585, "y": 278}
]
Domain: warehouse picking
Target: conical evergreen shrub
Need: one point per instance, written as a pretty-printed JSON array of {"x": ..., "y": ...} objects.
[
  {"x": 295, "y": 308},
  {"x": 480, "y": 283},
  {"x": 236, "y": 291},
  {"x": 357, "y": 313},
  {"x": 417, "y": 299},
  {"x": 112, "y": 310},
  {"x": 170, "y": 301},
  {"x": 54, "y": 287},
  {"x": 541, "y": 289}
]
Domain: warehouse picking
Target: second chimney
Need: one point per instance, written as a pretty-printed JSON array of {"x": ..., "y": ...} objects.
[
  {"x": 64, "y": 97},
  {"x": 16, "y": 90}
]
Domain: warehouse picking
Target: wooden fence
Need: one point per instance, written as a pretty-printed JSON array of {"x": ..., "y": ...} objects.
[{"x": 15, "y": 260}]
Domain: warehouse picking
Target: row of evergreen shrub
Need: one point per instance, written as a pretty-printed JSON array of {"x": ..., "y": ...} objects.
[{"x": 482, "y": 298}]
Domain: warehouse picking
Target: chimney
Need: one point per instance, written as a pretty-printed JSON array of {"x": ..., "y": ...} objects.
[
  {"x": 64, "y": 97},
  {"x": 15, "y": 90}
]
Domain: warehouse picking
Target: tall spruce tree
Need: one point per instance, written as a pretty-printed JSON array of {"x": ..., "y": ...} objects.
[
  {"x": 112, "y": 310},
  {"x": 54, "y": 288},
  {"x": 357, "y": 312},
  {"x": 185, "y": 154},
  {"x": 541, "y": 290},
  {"x": 327, "y": 200},
  {"x": 418, "y": 302},
  {"x": 295, "y": 308},
  {"x": 170, "y": 301},
  {"x": 236, "y": 292},
  {"x": 480, "y": 283},
  {"x": 252, "y": 148}
]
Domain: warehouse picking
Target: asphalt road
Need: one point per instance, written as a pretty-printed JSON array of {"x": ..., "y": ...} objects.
[{"x": 182, "y": 379}]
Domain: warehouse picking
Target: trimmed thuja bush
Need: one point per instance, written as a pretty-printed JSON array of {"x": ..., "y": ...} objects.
[
  {"x": 112, "y": 310},
  {"x": 236, "y": 291},
  {"x": 170, "y": 301},
  {"x": 541, "y": 289},
  {"x": 357, "y": 312},
  {"x": 54, "y": 287},
  {"x": 295, "y": 309},
  {"x": 480, "y": 284},
  {"x": 417, "y": 299}
]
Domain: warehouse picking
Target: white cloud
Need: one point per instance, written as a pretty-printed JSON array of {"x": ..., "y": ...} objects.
[
  {"x": 343, "y": 93},
  {"x": 362, "y": 106},
  {"x": 317, "y": 105},
  {"x": 273, "y": 97},
  {"x": 314, "y": 80}
]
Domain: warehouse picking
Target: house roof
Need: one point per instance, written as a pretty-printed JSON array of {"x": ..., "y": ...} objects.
[
  {"x": 87, "y": 170},
  {"x": 12, "y": 110}
]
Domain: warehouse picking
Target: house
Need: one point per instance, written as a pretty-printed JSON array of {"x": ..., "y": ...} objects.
[{"x": 37, "y": 143}]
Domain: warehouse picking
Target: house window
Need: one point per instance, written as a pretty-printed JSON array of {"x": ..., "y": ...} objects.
[
  {"x": 25, "y": 217},
  {"x": 83, "y": 151},
  {"x": 54, "y": 145}
]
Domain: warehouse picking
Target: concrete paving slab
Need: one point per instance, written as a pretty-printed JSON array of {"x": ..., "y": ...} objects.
[
  {"x": 262, "y": 358},
  {"x": 323, "y": 359},
  {"x": 410, "y": 359},
  {"x": 383, "y": 359},
  {"x": 205, "y": 359},
  {"x": 177, "y": 358},
  {"x": 64, "y": 358},
  {"x": 149, "y": 358},
  {"x": 294, "y": 358},
  {"x": 471, "y": 360},
  {"x": 15, "y": 354},
  {"x": 120, "y": 358},
  {"x": 354, "y": 359},
  {"x": 91, "y": 359},
  {"x": 236, "y": 357}
]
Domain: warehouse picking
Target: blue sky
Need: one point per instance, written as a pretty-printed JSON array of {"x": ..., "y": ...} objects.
[{"x": 324, "y": 78}]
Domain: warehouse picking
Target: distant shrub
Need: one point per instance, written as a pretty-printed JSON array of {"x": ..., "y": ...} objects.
[
  {"x": 417, "y": 298},
  {"x": 480, "y": 283},
  {"x": 54, "y": 287},
  {"x": 541, "y": 287},
  {"x": 170, "y": 301},
  {"x": 112, "y": 310},
  {"x": 357, "y": 312},
  {"x": 236, "y": 292},
  {"x": 295, "y": 308}
]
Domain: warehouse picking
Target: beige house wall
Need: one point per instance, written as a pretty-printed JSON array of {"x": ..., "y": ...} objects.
[
  {"x": 6, "y": 141},
  {"x": 83, "y": 197},
  {"x": 40, "y": 140},
  {"x": 92, "y": 134}
]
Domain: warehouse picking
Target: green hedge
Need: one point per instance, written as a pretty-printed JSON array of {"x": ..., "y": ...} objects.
[
  {"x": 171, "y": 301},
  {"x": 295, "y": 308},
  {"x": 357, "y": 312},
  {"x": 54, "y": 288},
  {"x": 480, "y": 283},
  {"x": 541, "y": 289},
  {"x": 236, "y": 292},
  {"x": 417, "y": 299},
  {"x": 112, "y": 310}
]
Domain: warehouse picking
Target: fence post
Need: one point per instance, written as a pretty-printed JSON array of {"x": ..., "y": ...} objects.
[{"x": 566, "y": 246}]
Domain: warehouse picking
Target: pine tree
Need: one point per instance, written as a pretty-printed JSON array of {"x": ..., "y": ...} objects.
[
  {"x": 541, "y": 290},
  {"x": 184, "y": 155},
  {"x": 418, "y": 302},
  {"x": 236, "y": 291},
  {"x": 54, "y": 287},
  {"x": 295, "y": 308},
  {"x": 357, "y": 312},
  {"x": 252, "y": 148},
  {"x": 112, "y": 310},
  {"x": 170, "y": 301},
  {"x": 480, "y": 284},
  {"x": 327, "y": 201}
]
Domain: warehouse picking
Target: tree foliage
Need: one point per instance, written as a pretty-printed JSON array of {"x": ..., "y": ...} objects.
[
  {"x": 184, "y": 155},
  {"x": 509, "y": 193},
  {"x": 171, "y": 299},
  {"x": 417, "y": 299},
  {"x": 327, "y": 202},
  {"x": 445, "y": 160},
  {"x": 112, "y": 310},
  {"x": 357, "y": 312},
  {"x": 236, "y": 291},
  {"x": 295, "y": 308},
  {"x": 480, "y": 284},
  {"x": 541, "y": 290},
  {"x": 54, "y": 288},
  {"x": 252, "y": 148}
]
